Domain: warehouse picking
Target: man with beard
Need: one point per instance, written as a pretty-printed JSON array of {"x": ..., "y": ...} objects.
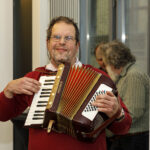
[
  {"x": 63, "y": 45},
  {"x": 133, "y": 88}
]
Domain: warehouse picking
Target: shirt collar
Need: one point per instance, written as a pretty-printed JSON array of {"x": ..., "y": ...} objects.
[
  {"x": 125, "y": 69},
  {"x": 51, "y": 67}
]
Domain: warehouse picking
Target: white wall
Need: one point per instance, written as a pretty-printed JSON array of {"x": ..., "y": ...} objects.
[
  {"x": 40, "y": 22},
  {"x": 6, "y": 65}
]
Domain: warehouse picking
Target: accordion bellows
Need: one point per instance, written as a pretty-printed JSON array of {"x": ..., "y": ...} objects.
[{"x": 69, "y": 104}]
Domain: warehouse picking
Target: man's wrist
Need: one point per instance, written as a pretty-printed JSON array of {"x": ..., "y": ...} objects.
[
  {"x": 121, "y": 116},
  {"x": 7, "y": 93}
]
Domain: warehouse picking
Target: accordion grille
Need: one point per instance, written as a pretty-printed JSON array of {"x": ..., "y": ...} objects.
[{"x": 80, "y": 82}]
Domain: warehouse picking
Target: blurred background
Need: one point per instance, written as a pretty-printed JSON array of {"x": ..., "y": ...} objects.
[{"x": 23, "y": 25}]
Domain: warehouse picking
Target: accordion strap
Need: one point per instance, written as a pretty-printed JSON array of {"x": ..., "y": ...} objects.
[{"x": 46, "y": 72}]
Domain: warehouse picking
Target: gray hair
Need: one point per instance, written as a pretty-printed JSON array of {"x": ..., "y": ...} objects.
[
  {"x": 66, "y": 20},
  {"x": 117, "y": 54}
]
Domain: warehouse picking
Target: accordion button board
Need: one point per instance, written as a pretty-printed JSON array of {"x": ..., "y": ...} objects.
[
  {"x": 40, "y": 100},
  {"x": 91, "y": 111}
]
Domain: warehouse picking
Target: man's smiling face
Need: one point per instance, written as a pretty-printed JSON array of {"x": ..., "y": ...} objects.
[{"x": 62, "y": 45}]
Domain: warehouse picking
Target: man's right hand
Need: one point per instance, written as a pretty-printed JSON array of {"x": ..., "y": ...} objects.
[{"x": 23, "y": 85}]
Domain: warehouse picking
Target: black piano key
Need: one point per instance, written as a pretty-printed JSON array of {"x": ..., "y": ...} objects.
[
  {"x": 46, "y": 89},
  {"x": 49, "y": 80},
  {"x": 39, "y": 111},
  {"x": 45, "y": 92},
  {"x": 41, "y": 105},
  {"x": 38, "y": 115},
  {"x": 48, "y": 84},
  {"x": 37, "y": 118},
  {"x": 44, "y": 96},
  {"x": 42, "y": 101}
]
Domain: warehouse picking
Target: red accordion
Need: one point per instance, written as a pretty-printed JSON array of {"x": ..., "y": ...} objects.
[{"x": 69, "y": 104}]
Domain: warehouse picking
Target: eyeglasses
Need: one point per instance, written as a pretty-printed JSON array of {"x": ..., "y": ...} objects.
[{"x": 57, "y": 38}]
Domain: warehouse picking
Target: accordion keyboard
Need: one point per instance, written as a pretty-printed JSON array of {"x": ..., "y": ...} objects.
[
  {"x": 40, "y": 100},
  {"x": 91, "y": 111}
]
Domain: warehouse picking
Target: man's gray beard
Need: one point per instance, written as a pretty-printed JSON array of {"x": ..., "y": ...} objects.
[
  {"x": 60, "y": 61},
  {"x": 112, "y": 74},
  {"x": 63, "y": 61}
]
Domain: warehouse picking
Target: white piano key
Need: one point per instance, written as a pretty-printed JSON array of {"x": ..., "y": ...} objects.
[{"x": 39, "y": 103}]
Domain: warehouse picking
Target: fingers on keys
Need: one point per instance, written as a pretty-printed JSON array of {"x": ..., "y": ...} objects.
[{"x": 27, "y": 86}]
